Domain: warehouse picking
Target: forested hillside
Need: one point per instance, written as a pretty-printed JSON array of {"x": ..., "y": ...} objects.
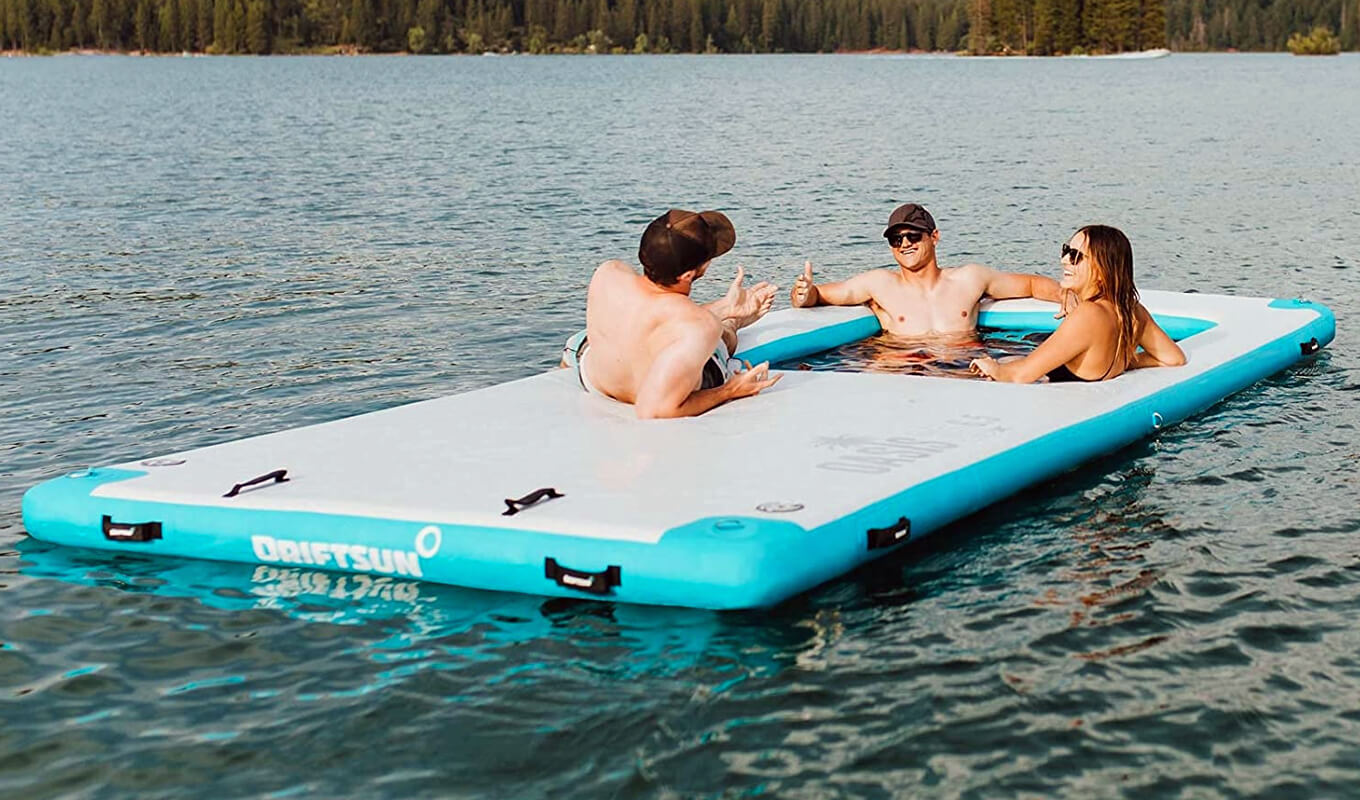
[{"x": 663, "y": 26}]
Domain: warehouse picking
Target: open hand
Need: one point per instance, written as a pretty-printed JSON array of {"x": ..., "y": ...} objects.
[
  {"x": 804, "y": 293},
  {"x": 986, "y": 366},
  {"x": 744, "y": 306},
  {"x": 752, "y": 380}
]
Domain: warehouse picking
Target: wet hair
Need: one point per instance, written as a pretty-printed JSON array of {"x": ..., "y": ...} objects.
[{"x": 1111, "y": 258}]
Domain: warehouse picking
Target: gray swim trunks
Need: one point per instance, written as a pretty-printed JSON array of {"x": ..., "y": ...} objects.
[{"x": 717, "y": 369}]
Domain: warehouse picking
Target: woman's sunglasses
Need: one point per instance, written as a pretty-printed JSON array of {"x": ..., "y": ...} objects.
[
  {"x": 1073, "y": 252},
  {"x": 895, "y": 239}
]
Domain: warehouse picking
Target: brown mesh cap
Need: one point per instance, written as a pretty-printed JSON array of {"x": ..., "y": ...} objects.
[
  {"x": 910, "y": 215},
  {"x": 679, "y": 241}
]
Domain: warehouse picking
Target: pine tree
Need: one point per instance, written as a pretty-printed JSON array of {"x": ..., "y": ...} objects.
[
  {"x": 1067, "y": 34},
  {"x": 361, "y": 24},
  {"x": 732, "y": 32},
  {"x": 1152, "y": 26},
  {"x": 257, "y": 27},
  {"x": 979, "y": 26},
  {"x": 58, "y": 35},
  {"x": 1097, "y": 31},
  {"x": 428, "y": 18},
  {"x": 768, "y": 21},
  {"x": 203, "y": 27},
  {"x": 221, "y": 20},
  {"x": 168, "y": 23},
  {"x": 697, "y": 37},
  {"x": 144, "y": 32},
  {"x": 1125, "y": 20},
  {"x": 187, "y": 15},
  {"x": 79, "y": 33},
  {"x": 623, "y": 25},
  {"x": 1044, "y": 27}
]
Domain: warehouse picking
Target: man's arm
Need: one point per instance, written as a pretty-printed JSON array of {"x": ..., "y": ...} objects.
[
  {"x": 1006, "y": 285},
  {"x": 729, "y": 335},
  {"x": 668, "y": 391},
  {"x": 851, "y": 292}
]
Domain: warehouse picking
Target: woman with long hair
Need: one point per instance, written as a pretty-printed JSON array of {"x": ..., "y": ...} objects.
[{"x": 1100, "y": 336}]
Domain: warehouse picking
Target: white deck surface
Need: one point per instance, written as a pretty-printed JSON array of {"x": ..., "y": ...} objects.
[{"x": 833, "y": 442}]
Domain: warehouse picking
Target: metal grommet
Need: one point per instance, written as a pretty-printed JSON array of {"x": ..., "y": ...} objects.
[
  {"x": 779, "y": 508},
  {"x": 1157, "y": 421},
  {"x": 162, "y": 462}
]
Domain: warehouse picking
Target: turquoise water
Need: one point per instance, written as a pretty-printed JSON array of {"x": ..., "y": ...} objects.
[{"x": 196, "y": 250}]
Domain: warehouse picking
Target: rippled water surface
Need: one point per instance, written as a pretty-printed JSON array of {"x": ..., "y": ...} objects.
[
  {"x": 946, "y": 356},
  {"x": 195, "y": 250}
]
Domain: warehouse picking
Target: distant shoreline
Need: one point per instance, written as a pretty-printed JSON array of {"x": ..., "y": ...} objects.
[{"x": 350, "y": 51}]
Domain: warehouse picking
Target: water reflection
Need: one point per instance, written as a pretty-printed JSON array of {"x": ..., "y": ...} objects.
[{"x": 410, "y": 626}]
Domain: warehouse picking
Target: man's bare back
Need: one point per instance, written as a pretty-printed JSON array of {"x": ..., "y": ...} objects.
[
  {"x": 647, "y": 343},
  {"x": 630, "y": 321}
]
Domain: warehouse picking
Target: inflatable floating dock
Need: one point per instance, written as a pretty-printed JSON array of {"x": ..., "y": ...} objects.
[{"x": 535, "y": 486}]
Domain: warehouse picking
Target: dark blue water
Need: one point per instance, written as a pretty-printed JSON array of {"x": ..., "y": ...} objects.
[{"x": 195, "y": 250}]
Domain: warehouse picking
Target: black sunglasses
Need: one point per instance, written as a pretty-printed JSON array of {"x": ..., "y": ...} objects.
[
  {"x": 895, "y": 239},
  {"x": 1073, "y": 252}
]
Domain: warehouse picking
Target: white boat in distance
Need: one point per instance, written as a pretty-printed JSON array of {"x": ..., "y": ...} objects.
[{"x": 1160, "y": 52}]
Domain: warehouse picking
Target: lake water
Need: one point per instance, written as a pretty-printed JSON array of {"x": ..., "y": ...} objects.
[
  {"x": 195, "y": 250},
  {"x": 949, "y": 356}
]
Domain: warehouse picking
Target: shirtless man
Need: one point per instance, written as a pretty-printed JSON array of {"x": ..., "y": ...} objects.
[
  {"x": 647, "y": 343},
  {"x": 918, "y": 297}
]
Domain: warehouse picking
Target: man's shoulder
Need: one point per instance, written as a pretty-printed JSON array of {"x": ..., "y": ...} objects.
[
  {"x": 974, "y": 276},
  {"x": 969, "y": 271},
  {"x": 614, "y": 266}
]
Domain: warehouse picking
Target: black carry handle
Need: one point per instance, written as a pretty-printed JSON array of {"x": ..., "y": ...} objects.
[
  {"x": 513, "y": 507},
  {"x": 897, "y": 532},
  {"x": 592, "y": 582},
  {"x": 1310, "y": 347},
  {"x": 277, "y": 476},
  {"x": 129, "y": 531}
]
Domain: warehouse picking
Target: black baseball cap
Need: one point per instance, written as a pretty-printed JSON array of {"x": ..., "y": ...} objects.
[
  {"x": 679, "y": 241},
  {"x": 910, "y": 215}
]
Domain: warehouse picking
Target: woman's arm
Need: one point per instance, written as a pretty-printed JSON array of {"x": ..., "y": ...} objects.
[
  {"x": 1159, "y": 350},
  {"x": 1071, "y": 339}
]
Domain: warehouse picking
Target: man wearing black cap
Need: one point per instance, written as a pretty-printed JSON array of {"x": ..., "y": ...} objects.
[
  {"x": 918, "y": 297},
  {"x": 647, "y": 343}
]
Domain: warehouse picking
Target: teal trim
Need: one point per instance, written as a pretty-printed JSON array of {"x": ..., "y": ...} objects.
[
  {"x": 1177, "y": 328},
  {"x": 728, "y": 562},
  {"x": 715, "y": 562},
  {"x": 818, "y": 340},
  {"x": 813, "y": 341},
  {"x": 1326, "y": 319},
  {"x": 946, "y": 498}
]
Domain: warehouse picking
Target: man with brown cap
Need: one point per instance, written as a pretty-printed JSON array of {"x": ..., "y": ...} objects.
[
  {"x": 918, "y": 297},
  {"x": 647, "y": 343}
]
